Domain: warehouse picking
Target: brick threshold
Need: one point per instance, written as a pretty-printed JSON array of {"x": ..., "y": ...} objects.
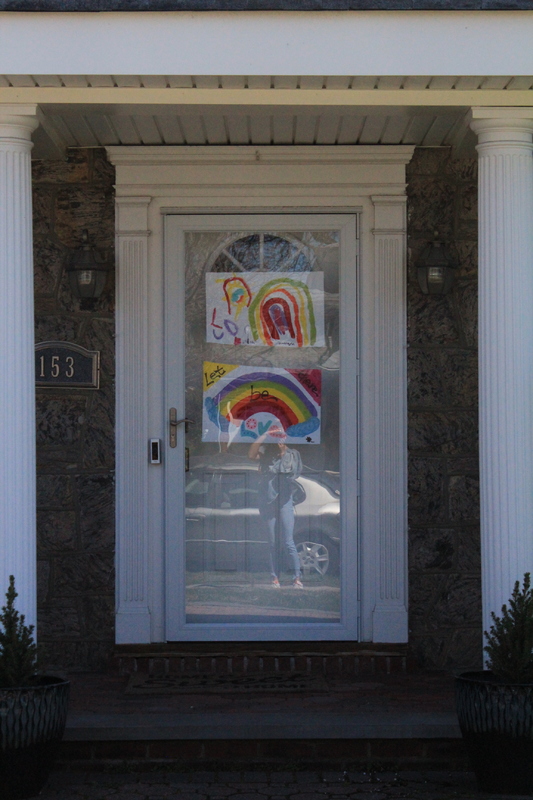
[
  {"x": 250, "y": 648},
  {"x": 334, "y": 658}
]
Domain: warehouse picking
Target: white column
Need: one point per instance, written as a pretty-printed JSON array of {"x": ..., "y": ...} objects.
[
  {"x": 505, "y": 349},
  {"x": 17, "y": 368},
  {"x": 389, "y": 620},
  {"x": 133, "y": 621}
]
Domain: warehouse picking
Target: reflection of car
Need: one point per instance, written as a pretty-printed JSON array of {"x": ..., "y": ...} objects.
[{"x": 224, "y": 528}]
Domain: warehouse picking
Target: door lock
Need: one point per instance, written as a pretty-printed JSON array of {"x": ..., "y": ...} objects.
[{"x": 174, "y": 422}]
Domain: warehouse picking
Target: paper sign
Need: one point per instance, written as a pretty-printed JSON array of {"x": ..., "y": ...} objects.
[
  {"x": 267, "y": 309},
  {"x": 241, "y": 403}
]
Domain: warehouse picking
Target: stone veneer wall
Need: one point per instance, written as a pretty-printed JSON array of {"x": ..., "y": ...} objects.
[
  {"x": 444, "y": 544},
  {"x": 75, "y": 437}
]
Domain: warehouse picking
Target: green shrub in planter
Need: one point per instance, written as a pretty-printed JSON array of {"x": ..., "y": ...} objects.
[
  {"x": 33, "y": 708},
  {"x": 495, "y": 706},
  {"x": 18, "y": 651},
  {"x": 510, "y": 639}
]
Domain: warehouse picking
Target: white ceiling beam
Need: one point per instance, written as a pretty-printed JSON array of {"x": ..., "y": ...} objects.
[
  {"x": 49, "y": 140},
  {"x": 79, "y": 81},
  {"x": 118, "y": 96},
  {"x": 260, "y": 81},
  {"x": 19, "y": 81},
  {"x": 417, "y": 82},
  {"x": 458, "y": 135}
]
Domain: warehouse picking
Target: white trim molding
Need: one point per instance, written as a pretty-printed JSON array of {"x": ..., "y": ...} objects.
[
  {"x": 505, "y": 145},
  {"x": 389, "y": 620},
  {"x": 17, "y": 418},
  {"x": 133, "y": 613},
  {"x": 153, "y": 181}
]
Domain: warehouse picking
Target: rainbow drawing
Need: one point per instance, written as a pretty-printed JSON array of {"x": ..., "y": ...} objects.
[
  {"x": 242, "y": 403},
  {"x": 265, "y": 309},
  {"x": 237, "y": 294}
]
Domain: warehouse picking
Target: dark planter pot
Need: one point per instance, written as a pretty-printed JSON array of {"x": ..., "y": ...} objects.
[
  {"x": 32, "y": 722},
  {"x": 496, "y": 721}
]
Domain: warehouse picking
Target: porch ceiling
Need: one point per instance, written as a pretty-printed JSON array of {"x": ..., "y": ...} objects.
[
  {"x": 94, "y": 127},
  {"x": 99, "y": 110}
]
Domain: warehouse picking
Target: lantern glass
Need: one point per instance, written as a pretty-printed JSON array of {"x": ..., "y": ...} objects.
[
  {"x": 87, "y": 272},
  {"x": 87, "y": 283},
  {"x": 85, "y": 277},
  {"x": 435, "y": 269}
]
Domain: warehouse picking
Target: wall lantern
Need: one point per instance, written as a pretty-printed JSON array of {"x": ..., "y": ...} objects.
[
  {"x": 435, "y": 268},
  {"x": 87, "y": 272}
]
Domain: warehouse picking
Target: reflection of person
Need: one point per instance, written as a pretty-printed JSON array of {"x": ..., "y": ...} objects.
[{"x": 279, "y": 466}]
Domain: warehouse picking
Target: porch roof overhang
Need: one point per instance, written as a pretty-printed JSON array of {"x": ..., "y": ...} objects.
[
  {"x": 316, "y": 43},
  {"x": 104, "y": 110},
  {"x": 262, "y": 5},
  {"x": 279, "y": 77}
]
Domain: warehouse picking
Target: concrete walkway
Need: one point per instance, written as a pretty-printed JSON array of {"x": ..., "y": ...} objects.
[{"x": 271, "y": 785}]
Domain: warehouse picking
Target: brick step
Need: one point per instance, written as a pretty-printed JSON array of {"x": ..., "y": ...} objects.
[
  {"x": 319, "y": 658},
  {"x": 367, "y": 754}
]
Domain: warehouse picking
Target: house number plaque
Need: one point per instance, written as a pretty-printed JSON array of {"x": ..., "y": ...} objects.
[{"x": 62, "y": 364}]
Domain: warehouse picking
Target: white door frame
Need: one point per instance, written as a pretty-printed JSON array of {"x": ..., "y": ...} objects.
[{"x": 152, "y": 181}]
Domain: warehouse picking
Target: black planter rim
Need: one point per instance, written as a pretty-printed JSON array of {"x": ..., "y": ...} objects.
[
  {"x": 485, "y": 677},
  {"x": 41, "y": 682}
]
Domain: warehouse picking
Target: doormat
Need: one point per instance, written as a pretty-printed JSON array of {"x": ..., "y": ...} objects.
[{"x": 143, "y": 683}]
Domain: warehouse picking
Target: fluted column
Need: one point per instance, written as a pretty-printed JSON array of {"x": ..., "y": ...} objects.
[
  {"x": 133, "y": 619},
  {"x": 17, "y": 412},
  {"x": 505, "y": 349},
  {"x": 390, "y": 612}
]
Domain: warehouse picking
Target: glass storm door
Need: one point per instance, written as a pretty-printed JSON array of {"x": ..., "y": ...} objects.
[{"x": 261, "y": 456}]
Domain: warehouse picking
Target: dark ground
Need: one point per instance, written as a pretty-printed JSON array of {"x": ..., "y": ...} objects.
[{"x": 268, "y": 785}]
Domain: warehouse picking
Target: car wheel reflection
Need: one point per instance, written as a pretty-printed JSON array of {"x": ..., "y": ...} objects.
[{"x": 313, "y": 557}]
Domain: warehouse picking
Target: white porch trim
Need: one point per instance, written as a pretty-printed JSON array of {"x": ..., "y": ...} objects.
[
  {"x": 17, "y": 417},
  {"x": 151, "y": 180},
  {"x": 133, "y": 613},
  {"x": 269, "y": 43},
  {"x": 133, "y": 98},
  {"x": 390, "y": 462}
]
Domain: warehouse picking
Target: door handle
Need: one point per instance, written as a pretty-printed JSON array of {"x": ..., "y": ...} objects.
[{"x": 174, "y": 422}]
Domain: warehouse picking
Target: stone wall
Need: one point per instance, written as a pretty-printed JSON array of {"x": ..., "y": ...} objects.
[
  {"x": 444, "y": 557},
  {"x": 75, "y": 438}
]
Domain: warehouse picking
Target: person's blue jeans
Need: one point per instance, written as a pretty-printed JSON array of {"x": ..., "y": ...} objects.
[{"x": 283, "y": 516}]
